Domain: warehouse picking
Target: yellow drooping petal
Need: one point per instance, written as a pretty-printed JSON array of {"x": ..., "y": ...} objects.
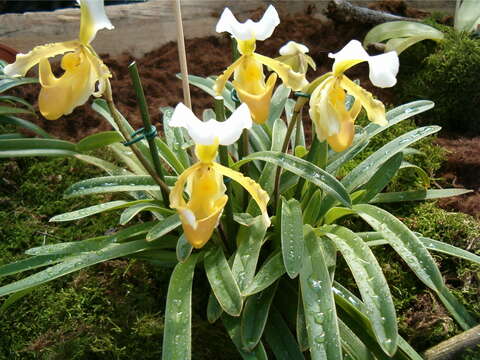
[
  {"x": 322, "y": 112},
  {"x": 259, "y": 104},
  {"x": 24, "y": 62},
  {"x": 222, "y": 79},
  {"x": 258, "y": 194},
  {"x": 375, "y": 108},
  {"x": 344, "y": 137},
  {"x": 99, "y": 70},
  {"x": 200, "y": 215},
  {"x": 295, "y": 81},
  {"x": 59, "y": 96}
]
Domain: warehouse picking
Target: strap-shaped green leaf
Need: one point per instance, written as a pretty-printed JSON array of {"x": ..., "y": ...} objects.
[
  {"x": 320, "y": 314},
  {"x": 364, "y": 171},
  {"x": 416, "y": 256},
  {"x": 254, "y": 316},
  {"x": 292, "y": 236},
  {"x": 214, "y": 310},
  {"x": 75, "y": 263},
  {"x": 277, "y": 104},
  {"x": 301, "y": 325},
  {"x": 13, "y": 120},
  {"x": 96, "y": 209},
  {"x": 150, "y": 205},
  {"x": 232, "y": 325},
  {"x": 169, "y": 156},
  {"x": 417, "y": 195},
  {"x": 280, "y": 338},
  {"x": 9, "y": 83},
  {"x": 381, "y": 178},
  {"x": 207, "y": 85},
  {"x": 249, "y": 242},
  {"x": 36, "y": 147},
  {"x": 270, "y": 271},
  {"x": 352, "y": 345},
  {"x": 304, "y": 169},
  {"x": 107, "y": 184},
  {"x": 177, "y": 336},
  {"x": 371, "y": 283},
  {"x": 98, "y": 140},
  {"x": 163, "y": 227},
  {"x": 184, "y": 248},
  {"x": 222, "y": 281},
  {"x": 467, "y": 15}
]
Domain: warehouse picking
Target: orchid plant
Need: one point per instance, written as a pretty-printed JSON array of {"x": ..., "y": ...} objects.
[{"x": 268, "y": 241}]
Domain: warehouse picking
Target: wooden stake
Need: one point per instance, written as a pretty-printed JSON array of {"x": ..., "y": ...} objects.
[{"x": 182, "y": 54}]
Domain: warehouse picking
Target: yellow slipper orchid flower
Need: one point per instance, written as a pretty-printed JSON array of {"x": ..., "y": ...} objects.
[
  {"x": 333, "y": 122},
  {"x": 83, "y": 73},
  {"x": 203, "y": 181},
  {"x": 249, "y": 79},
  {"x": 295, "y": 55}
]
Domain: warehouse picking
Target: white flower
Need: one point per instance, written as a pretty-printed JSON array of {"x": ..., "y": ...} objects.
[
  {"x": 293, "y": 48},
  {"x": 208, "y": 132},
  {"x": 383, "y": 68},
  {"x": 250, "y": 29}
]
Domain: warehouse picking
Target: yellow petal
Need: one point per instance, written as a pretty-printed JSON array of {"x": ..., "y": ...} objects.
[
  {"x": 375, "y": 108},
  {"x": 295, "y": 81},
  {"x": 204, "y": 228},
  {"x": 59, "y": 96},
  {"x": 99, "y": 70},
  {"x": 25, "y": 61},
  {"x": 201, "y": 214},
  {"x": 222, "y": 79},
  {"x": 259, "y": 104},
  {"x": 258, "y": 194},
  {"x": 343, "y": 139},
  {"x": 322, "y": 113}
]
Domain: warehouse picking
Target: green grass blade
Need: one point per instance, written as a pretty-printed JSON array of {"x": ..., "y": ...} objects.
[
  {"x": 222, "y": 281},
  {"x": 371, "y": 283},
  {"x": 254, "y": 316},
  {"x": 320, "y": 314},
  {"x": 292, "y": 236},
  {"x": 177, "y": 336}
]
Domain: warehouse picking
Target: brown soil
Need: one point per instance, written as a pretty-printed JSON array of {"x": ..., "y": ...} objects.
[{"x": 462, "y": 170}]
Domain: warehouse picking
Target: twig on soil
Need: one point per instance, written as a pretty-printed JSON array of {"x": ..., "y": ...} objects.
[
  {"x": 342, "y": 10},
  {"x": 451, "y": 348}
]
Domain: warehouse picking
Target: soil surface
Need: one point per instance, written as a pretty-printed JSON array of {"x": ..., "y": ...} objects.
[
  {"x": 211, "y": 55},
  {"x": 462, "y": 170}
]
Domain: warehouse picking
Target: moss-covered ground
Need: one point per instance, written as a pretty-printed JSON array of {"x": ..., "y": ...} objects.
[{"x": 115, "y": 310}]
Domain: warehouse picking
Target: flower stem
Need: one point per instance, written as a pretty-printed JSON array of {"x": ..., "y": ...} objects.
[
  {"x": 293, "y": 122},
  {"x": 137, "y": 84},
  {"x": 125, "y": 133},
  {"x": 223, "y": 152}
]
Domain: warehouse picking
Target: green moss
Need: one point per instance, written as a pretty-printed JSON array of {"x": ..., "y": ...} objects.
[{"x": 447, "y": 74}]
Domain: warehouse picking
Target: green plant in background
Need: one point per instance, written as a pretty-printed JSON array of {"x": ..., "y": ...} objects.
[
  {"x": 446, "y": 73},
  {"x": 248, "y": 261}
]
